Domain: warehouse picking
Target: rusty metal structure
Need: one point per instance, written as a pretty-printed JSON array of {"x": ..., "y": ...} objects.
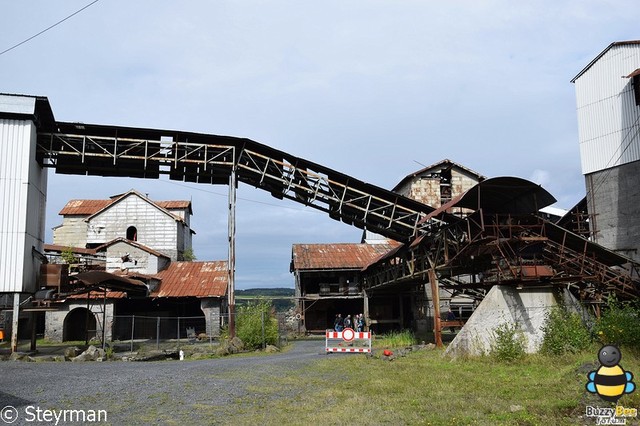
[
  {"x": 74, "y": 148},
  {"x": 501, "y": 239},
  {"x": 505, "y": 242}
]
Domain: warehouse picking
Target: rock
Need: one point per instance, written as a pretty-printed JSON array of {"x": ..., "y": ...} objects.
[
  {"x": 514, "y": 408},
  {"x": 237, "y": 343},
  {"x": 72, "y": 352},
  {"x": 90, "y": 352},
  {"x": 271, "y": 349},
  {"x": 100, "y": 353},
  {"x": 199, "y": 355},
  {"x": 16, "y": 356}
]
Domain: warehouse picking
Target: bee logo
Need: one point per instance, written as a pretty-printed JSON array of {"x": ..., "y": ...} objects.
[{"x": 610, "y": 381}]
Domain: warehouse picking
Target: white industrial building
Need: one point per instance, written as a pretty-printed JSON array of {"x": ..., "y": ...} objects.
[
  {"x": 608, "y": 99},
  {"x": 161, "y": 225},
  {"x": 23, "y": 189}
]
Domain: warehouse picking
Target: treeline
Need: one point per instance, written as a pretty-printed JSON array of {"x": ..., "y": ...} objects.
[
  {"x": 280, "y": 298},
  {"x": 266, "y": 292}
]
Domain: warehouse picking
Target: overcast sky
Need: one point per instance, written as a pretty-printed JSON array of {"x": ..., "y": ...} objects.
[{"x": 369, "y": 88}]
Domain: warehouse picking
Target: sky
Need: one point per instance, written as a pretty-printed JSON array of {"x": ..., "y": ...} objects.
[{"x": 374, "y": 89}]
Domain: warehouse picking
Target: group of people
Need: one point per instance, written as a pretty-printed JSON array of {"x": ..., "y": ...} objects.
[{"x": 355, "y": 323}]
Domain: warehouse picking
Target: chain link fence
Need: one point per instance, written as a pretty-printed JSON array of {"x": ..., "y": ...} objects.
[{"x": 157, "y": 329}]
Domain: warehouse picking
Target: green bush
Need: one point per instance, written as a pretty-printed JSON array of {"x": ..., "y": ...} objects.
[
  {"x": 249, "y": 325},
  {"x": 564, "y": 332},
  {"x": 619, "y": 324},
  {"x": 508, "y": 343}
]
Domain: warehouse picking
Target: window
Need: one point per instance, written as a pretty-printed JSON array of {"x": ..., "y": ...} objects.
[{"x": 132, "y": 233}]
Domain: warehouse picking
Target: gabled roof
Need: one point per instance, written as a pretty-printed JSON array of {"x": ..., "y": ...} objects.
[
  {"x": 193, "y": 279},
  {"x": 136, "y": 244},
  {"x": 92, "y": 207},
  {"x": 337, "y": 256},
  {"x": 446, "y": 163},
  {"x": 597, "y": 58}
]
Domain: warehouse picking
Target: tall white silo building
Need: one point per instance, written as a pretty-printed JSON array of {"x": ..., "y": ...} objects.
[{"x": 608, "y": 109}]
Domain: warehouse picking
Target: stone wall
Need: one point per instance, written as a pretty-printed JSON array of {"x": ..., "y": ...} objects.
[
  {"x": 54, "y": 320},
  {"x": 212, "y": 309}
]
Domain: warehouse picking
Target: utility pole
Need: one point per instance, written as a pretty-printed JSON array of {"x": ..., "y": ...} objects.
[{"x": 232, "y": 252}]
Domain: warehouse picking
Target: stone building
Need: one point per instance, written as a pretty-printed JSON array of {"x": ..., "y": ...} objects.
[
  {"x": 162, "y": 225},
  {"x": 133, "y": 239}
]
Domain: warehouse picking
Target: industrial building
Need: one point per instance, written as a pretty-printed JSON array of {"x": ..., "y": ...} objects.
[
  {"x": 476, "y": 238},
  {"x": 329, "y": 278},
  {"x": 608, "y": 109}
]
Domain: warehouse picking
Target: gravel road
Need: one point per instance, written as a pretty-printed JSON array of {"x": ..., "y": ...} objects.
[{"x": 178, "y": 392}]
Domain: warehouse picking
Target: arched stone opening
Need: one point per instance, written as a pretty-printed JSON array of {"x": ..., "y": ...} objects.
[{"x": 76, "y": 324}]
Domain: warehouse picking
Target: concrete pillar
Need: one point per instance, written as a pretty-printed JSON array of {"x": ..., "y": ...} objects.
[
  {"x": 211, "y": 309},
  {"x": 527, "y": 308}
]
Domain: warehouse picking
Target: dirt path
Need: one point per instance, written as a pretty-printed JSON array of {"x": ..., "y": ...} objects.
[{"x": 198, "y": 392}]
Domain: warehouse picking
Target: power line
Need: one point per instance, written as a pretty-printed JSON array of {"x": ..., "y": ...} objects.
[{"x": 48, "y": 28}]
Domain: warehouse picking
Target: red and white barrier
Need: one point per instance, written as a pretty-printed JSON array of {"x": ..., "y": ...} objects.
[{"x": 350, "y": 341}]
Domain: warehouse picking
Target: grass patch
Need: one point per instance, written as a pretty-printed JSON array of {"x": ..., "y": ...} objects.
[
  {"x": 394, "y": 339},
  {"x": 426, "y": 388}
]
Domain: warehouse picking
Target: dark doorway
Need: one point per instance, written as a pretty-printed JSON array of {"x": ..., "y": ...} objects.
[
  {"x": 76, "y": 324},
  {"x": 132, "y": 233}
]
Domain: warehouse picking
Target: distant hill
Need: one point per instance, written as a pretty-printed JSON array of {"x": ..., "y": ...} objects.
[
  {"x": 281, "y": 298},
  {"x": 266, "y": 292}
]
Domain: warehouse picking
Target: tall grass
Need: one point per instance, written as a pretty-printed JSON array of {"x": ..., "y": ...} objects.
[{"x": 395, "y": 339}]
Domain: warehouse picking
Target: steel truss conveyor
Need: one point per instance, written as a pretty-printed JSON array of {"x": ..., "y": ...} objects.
[{"x": 193, "y": 157}]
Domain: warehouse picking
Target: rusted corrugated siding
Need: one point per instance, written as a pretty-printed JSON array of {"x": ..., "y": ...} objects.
[
  {"x": 193, "y": 279},
  {"x": 84, "y": 207},
  {"x": 173, "y": 204},
  {"x": 337, "y": 256},
  {"x": 90, "y": 207}
]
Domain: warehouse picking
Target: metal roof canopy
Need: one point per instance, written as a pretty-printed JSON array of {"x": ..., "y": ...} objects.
[
  {"x": 101, "y": 279},
  {"x": 506, "y": 195}
]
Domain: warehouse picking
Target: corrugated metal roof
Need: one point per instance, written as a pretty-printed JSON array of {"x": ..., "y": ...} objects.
[
  {"x": 337, "y": 256},
  {"x": 175, "y": 205},
  {"x": 91, "y": 207},
  {"x": 193, "y": 279},
  {"x": 84, "y": 207},
  {"x": 58, "y": 248}
]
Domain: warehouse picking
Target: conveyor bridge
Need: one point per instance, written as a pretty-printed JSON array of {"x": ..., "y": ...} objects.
[{"x": 76, "y": 148}]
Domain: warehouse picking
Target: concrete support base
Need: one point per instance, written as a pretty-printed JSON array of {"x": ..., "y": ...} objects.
[
  {"x": 211, "y": 310},
  {"x": 504, "y": 304}
]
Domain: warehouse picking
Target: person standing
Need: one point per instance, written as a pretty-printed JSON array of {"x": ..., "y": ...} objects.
[
  {"x": 338, "y": 324},
  {"x": 451, "y": 317},
  {"x": 347, "y": 322}
]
